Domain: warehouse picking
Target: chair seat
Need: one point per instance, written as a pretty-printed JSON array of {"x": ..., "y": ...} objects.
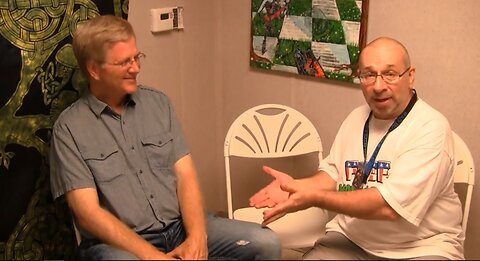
[{"x": 295, "y": 230}]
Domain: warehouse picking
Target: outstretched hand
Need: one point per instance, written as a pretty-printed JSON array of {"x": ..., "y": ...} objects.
[
  {"x": 299, "y": 198},
  {"x": 272, "y": 194}
]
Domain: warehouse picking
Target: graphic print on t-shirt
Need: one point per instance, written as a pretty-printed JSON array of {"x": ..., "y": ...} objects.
[{"x": 378, "y": 173}]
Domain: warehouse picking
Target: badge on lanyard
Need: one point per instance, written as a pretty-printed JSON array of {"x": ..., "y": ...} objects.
[
  {"x": 361, "y": 176},
  {"x": 358, "y": 180}
]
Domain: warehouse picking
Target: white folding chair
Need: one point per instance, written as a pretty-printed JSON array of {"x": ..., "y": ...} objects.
[
  {"x": 259, "y": 133},
  {"x": 78, "y": 236},
  {"x": 464, "y": 173}
]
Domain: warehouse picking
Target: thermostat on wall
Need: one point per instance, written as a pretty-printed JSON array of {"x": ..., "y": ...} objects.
[{"x": 163, "y": 19}]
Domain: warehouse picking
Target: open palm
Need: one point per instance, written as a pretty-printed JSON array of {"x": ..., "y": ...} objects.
[{"x": 272, "y": 194}]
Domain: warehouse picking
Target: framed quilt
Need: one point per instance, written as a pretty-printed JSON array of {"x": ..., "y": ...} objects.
[{"x": 317, "y": 38}]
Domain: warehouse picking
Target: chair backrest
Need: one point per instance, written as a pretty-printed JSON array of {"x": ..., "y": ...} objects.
[
  {"x": 269, "y": 131},
  {"x": 464, "y": 173}
]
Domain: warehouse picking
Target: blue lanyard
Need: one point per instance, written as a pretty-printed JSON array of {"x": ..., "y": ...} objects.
[{"x": 395, "y": 124}]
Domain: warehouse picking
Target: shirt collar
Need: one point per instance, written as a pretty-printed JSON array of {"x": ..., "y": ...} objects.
[{"x": 98, "y": 106}]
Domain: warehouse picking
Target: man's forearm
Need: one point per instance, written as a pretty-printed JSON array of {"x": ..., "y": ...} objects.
[
  {"x": 107, "y": 228},
  {"x": 320, "y": 181},
  {"x": 193, "y": 214},
  {"x": 190, "y": 198},
  {"x": 113, "y": 232},
  {"x": 365, "y": 204}
]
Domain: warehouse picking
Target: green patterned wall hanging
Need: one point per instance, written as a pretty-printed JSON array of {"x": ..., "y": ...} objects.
[
  {"x": 39, "y": 78},
  {"x": 317, "y": 38}
]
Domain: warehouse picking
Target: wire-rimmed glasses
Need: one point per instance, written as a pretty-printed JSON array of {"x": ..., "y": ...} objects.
[
  {"x": 389, "y": 76},
  {"x": 127, "y": 63}
]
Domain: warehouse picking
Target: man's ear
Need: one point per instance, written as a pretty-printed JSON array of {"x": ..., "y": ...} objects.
[
  {"x": 411, "y": 75},
  {"x": 92, "y": 69}
]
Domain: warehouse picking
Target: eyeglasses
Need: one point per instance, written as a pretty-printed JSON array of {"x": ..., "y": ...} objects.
[
  {"x": 388, "y": 76},
  {"x": 127, "y": 63}
]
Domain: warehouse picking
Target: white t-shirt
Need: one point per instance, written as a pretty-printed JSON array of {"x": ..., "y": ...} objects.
[{"x": 413, "y": 172}]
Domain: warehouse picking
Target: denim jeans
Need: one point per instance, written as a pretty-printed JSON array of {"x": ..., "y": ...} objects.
[{"x": 227, "y": 239}]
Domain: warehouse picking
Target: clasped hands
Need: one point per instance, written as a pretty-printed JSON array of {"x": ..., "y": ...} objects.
[{"x": 283, "y": 195}]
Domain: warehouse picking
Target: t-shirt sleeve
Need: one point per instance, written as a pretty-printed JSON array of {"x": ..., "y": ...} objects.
[
  {"x": 420, "y": 173},
  {"x": 330, "y": 164}
]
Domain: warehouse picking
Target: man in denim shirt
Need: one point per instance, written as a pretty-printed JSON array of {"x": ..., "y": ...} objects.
[{"x": 119, "y": 157}]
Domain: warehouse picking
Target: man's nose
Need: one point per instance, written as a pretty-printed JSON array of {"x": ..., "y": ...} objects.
[
  {"x": 134, "y": 67},
  {"x": 379, "y": 83}
]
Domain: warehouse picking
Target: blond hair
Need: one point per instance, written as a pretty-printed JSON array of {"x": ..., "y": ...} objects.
[{"x": 93, "y": 37}]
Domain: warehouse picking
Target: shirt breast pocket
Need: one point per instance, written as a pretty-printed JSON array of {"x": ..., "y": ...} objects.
[
  {"x": 104, "y": 162},
  {"x": 159, "y": 150}
]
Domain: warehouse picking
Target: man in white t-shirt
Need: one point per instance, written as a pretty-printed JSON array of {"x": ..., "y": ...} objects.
[{"x": 389, "y": 174}]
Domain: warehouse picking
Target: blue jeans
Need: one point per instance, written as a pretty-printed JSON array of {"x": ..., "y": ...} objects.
[{"x": 227, "y": 239}]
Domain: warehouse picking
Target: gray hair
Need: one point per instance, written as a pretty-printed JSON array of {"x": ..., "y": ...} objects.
[{"x": 93, "y": 37}]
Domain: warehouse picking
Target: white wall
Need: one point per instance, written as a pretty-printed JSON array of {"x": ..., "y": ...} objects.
[{"x": 205, "y": 70}]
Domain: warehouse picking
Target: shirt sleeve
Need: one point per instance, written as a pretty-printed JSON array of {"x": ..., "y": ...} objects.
[
  {"x": 180, "y": 148},
  {"x": 420, "y": 173},
  {"x": 67, "y": 168}
]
